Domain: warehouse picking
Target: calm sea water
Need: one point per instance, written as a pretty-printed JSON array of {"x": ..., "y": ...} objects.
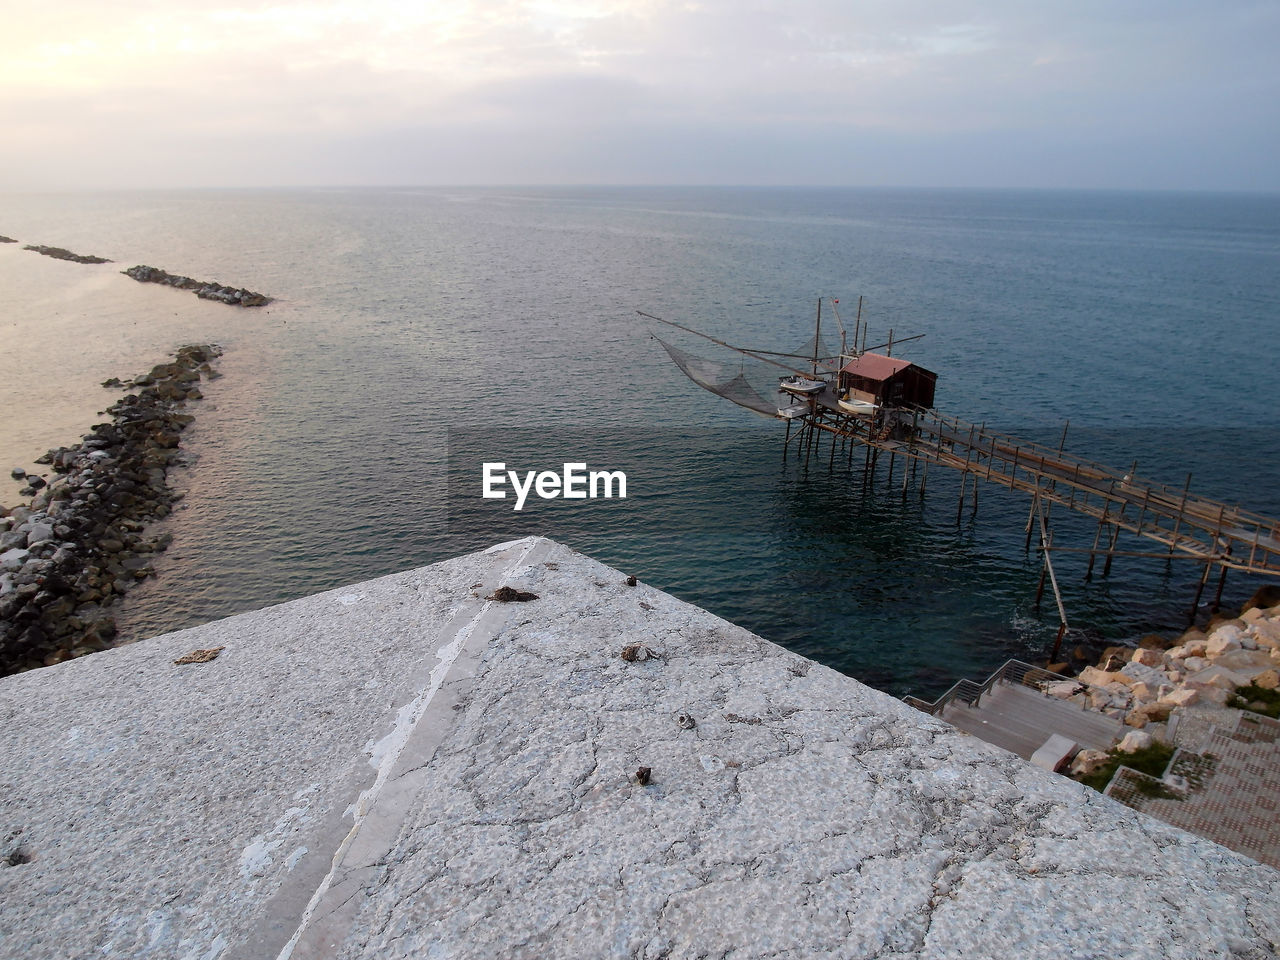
[{"x": 502, "y": 324}]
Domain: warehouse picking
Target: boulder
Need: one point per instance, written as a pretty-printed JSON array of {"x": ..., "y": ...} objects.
[
  {"x": 1087, "y": 761},
  {"x": 1113, "y": 658},
  {"x": 1062, "y": 689},
  {"x": 1143, "y": 692},
  {"x": 13, "y": 559},
  {"x": 1181, "y": 697},
  {"x": 1267, "y": 596},
  {"x": 1134, "y": 672},
  {"x": 1154, "y": 641},
  {"x": 1150, "y": 713},
  {"x": 1223, "y": 640},
  {"x": 39, "y": 532},
  {"x": 1134, "y": 741},
  {"x": 1267, "y": 679},
  {"x": 1099, "y": 678},
  {"x": 1148, "y": 657}
]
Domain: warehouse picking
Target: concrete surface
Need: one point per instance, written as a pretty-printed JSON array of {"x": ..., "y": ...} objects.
[{"x": 401, "y": 768}]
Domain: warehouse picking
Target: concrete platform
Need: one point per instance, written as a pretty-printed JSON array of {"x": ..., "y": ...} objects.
[{"x": 402, "y": 768}]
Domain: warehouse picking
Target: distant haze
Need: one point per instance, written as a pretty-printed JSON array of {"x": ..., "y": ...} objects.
[{"x": 1006, "y": 93}]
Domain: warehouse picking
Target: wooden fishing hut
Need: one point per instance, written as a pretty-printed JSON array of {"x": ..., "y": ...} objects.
[{"x": 887, "y": 381}]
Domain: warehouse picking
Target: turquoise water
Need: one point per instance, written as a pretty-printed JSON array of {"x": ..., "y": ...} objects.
[{"x": 501, "y": 324}]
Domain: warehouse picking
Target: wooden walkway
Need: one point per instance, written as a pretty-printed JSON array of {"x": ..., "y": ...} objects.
[
  {"x": 1205, "y": 530},
  {"x": 1020, "y": 719}
]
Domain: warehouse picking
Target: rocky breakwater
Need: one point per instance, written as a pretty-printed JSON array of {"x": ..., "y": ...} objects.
[
  {"x": 71, "y": 553},
  {"x": 1221, "y": 665},
  {"x": 61, "y": 253},
  {"x": 204, "y": 289}
]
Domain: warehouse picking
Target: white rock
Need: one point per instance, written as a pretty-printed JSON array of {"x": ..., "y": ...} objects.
[
  {"x": 1061, "y": 689},
  {"x": 1223, "y": 640},
  {"x": 1135, "y": 740},
  {"x": 1182, "y": 697}
]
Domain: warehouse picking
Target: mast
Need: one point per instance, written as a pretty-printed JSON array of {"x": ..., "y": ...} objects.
[
  {"x": 857, "y": 325},
  {"x": 817, "y": 331}
]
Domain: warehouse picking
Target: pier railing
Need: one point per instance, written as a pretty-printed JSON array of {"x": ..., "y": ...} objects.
[
  {"x": 1209, "y": 531},
  {"x": 971, "y": 692}
]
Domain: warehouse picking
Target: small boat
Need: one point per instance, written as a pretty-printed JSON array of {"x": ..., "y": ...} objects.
[
  {"x": 794, "y": 411},
  {"x": 863, "y": 408},
  {"x": 805, "y": 386}
]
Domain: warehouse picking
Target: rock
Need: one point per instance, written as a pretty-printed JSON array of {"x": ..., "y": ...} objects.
[
  {"x": 1151, "y": 713},
  {"x": 1098, "y": 678},
  {"x": 1223, "y": 640},
  {"x": 1134, "y": 672},
  {"x": 1113, "y": 658},
  {"x": 1182, "y": 697},
  {"x": 1062, "y": 689},
  {"x": 17, "y": 473},
  {"x": 13, "y": 559},
  {"x": 1087, "y": 761},
  {"x": 1143, "y": 692},
  {"x": 61, "y": 253},
  {"x": 1265, "y": 597},
  {"x": 1267, "y": 679},
  {"x": 1135, "y": 718},
  {"x": 1148, "y": 657},
  {"x": 1212, "y": 694},
  {"x": 1192, "y": 648},
  {"x": 1266, "y": 633},
  {"x": 39, "y": 532},
  {"x": 1134, "y": 741},
  {"x": 1154, "y": 641}
]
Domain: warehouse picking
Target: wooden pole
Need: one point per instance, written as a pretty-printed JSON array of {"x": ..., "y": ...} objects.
[
  {"x": 1217, "y": 597},
  {"x": 1195, "y": 604}
]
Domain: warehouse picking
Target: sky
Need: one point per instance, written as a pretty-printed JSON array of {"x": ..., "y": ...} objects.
[{"x": 1109, "y": 94}]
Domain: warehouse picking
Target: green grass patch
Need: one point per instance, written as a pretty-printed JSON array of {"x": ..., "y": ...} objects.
[
  {"x": 1258, "y": 699},
  {"x": 1150, "y": 760}
]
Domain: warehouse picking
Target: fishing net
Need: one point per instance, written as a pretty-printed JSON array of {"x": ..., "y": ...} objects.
[{"x": 728, "y": 381}]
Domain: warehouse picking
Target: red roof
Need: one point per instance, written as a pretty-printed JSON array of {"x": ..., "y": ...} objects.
[{"x": 875, "y": 366}]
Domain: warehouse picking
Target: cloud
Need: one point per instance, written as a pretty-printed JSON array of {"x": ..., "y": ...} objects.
[{"x": 759, "y": 88}]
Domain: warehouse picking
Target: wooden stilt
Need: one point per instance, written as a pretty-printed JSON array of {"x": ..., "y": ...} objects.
[
  {"x": 1217, "y": 596},
  {"x": 1031, "y": 518},
  {"x": 1195, "y": 604},
  {"x": 1111, "y": 547}
]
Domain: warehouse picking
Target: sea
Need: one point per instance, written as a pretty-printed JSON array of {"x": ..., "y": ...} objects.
[{"x": 420, "y": 333}]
